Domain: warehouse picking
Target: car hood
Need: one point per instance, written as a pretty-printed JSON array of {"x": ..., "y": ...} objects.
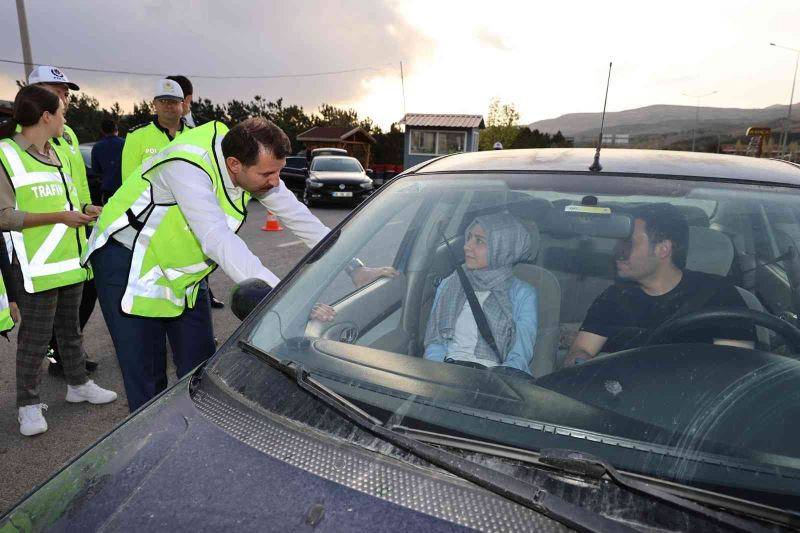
[
  {"x": 339, "y": 177},
  {"x": 204, "y": 457},
  {"x": 206, "y": 462}
]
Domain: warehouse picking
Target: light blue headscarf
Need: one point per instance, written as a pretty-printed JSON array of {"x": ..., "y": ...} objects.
[{"x": 507, "y": 243}]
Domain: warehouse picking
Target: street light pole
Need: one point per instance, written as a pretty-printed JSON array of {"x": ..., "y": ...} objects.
[
  {"x": 788, "y": 123},
  {"x": 27, "y": 58},
  {"x": 697, "y": 112}
]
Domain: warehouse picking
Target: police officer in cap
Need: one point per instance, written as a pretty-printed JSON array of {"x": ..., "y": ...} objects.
[{"x": 146, "y": 140}]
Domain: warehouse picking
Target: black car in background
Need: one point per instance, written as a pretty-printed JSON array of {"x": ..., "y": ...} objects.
[
  {"x": 294, "y": 174},
  {"x": 336, "y": 179}
]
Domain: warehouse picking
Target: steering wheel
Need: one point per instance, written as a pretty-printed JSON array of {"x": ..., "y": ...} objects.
[{"x": 759, "y": 318}]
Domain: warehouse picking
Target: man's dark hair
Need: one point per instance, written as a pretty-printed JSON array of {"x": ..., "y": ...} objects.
[
  {"x": 108, "y": 126},
  {"x": 666, "y": 222},
  {"x": 183, "y": 81},
  {"x": 245, "y": 140}
]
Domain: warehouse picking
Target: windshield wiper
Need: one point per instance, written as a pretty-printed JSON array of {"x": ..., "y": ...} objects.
[
  {"x": 525, "y": 494},
  {"x": 590, "y": 466},
  {"x": 584, "y": 465}
]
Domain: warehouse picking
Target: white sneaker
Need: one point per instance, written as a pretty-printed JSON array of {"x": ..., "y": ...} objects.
[
  {"x": 31, "y": 420},
  {"x": 90, "y": 392}
]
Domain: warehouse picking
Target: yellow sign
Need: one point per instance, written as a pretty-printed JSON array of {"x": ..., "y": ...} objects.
[
  {"x": 593, "y": 209},
  {"x": 764, "y": 132}
]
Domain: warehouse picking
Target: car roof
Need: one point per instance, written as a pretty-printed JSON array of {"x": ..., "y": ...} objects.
[
  {"x": 327, "y": 157},
  {"x": 625, "y": 161}
]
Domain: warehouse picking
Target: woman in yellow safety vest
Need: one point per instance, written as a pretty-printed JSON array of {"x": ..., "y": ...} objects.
[{"x": 40, "y": 210}]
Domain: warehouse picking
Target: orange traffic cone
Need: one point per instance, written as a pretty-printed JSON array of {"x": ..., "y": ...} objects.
[{"x": 272, "y": 223}]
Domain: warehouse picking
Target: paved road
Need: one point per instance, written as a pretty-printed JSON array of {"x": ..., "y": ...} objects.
[{"x": 27, "y": 461}]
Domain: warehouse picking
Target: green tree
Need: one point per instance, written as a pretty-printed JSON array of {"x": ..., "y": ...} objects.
[
  {"x": 389, "y": 147},
  {"x": 501, "y": 114},
  {"x": 329, "y": 115},
  {"x": 291, "y": 119},
  {"x": 205, "y": 110},
  {"x": 142, "y": 112},
  {"x": 501, "y": 125}
]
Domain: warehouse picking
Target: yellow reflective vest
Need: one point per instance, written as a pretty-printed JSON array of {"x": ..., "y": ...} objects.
[
  {"x": 49, "y": 255},
  {"x": 168, "y": 261}
]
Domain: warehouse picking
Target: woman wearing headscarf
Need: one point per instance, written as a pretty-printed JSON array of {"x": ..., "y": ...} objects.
[
  {"x": 493, "y": 244},
  {"x": 40, "y": 208}
]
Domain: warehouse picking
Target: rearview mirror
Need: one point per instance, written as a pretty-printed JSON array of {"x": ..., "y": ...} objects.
[
  {"x": 247, "y": 295},
  {"x": 591, "y": 221}
]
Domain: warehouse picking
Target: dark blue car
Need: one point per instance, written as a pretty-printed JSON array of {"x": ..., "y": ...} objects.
[{"x": 349, "y": 424}]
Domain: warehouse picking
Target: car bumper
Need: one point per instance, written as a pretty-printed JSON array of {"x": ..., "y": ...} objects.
[{"x": 325, "y": 196}]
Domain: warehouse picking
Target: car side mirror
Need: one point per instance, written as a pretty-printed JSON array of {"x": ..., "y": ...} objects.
[
  {"x": 369, "y": 172},
  {"x": 247, "y": 295}
]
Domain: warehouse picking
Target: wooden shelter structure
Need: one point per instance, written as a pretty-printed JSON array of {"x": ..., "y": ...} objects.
[{"x": 356, "y": 140}]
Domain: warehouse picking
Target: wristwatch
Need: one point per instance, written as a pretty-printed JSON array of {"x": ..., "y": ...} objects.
[{"x": 353, "y": 265}]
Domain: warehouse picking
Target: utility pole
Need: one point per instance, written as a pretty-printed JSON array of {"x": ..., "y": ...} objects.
[
  {"x": 697, "y": 112},
  {"x": 23, "y": 35},
  {"x": 403, "y": 84},
  {"x": 788, "y": 124}
]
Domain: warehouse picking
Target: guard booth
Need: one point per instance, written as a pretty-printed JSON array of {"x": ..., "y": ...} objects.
[{"x": 429, "y": 136}]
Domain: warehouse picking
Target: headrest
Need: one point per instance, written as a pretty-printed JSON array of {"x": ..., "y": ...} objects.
[
  {"x": 695, "y": 216},
  {"x": 710, "y": 251},
  {"x": 530, "y": 208}
]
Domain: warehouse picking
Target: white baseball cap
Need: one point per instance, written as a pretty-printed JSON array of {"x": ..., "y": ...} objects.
[
  {"x": 50, "y": 74},
  {"x": 168, "y": 90}
]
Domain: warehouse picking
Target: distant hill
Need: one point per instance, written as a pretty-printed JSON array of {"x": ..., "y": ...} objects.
[{"x": 667, "y": 119}]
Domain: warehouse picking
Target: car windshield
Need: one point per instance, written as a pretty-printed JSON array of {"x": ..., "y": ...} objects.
[
  {"x": 296, "y": 162},
  {"x": 335, "y": 164},
  {"x": 711, "y": 402}
]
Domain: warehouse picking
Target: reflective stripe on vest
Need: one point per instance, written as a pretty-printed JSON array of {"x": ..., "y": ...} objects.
[
  {"x": 6, "y": 323},
  {"x": 167, "y": 260},
  {"x": 48, "y": 255}
]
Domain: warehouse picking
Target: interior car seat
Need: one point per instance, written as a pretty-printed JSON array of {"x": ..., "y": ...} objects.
[
  {"x": 711, "y": 251},
  {"x": 548, "y": 293}
]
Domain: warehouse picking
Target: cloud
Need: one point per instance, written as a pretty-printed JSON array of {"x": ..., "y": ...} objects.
[
  {"x": 206, "y": 37},
  {"x": 548, "y": 58},
  {"x": 492, "y": 40}
]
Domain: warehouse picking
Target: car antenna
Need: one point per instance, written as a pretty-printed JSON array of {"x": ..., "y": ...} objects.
[{"x": 595, "y": 166}]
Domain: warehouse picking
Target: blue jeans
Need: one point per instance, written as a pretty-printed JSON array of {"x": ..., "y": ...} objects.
[{"x": 141, "y": 342}]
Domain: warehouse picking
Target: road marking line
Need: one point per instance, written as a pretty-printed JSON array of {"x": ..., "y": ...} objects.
[{"x": 292, "y": 243}]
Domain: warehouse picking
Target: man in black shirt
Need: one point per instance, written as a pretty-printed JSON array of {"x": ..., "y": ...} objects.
[{"x": 654, "y": 288}]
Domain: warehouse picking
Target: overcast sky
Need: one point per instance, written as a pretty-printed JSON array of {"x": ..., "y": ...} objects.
[{"x": 547, "y": 58}]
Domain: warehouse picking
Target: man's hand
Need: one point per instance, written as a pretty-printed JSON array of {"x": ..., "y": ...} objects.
[
  {"x": 15, "y": 314},
  {"x": 74, "y": 219},
  {"x": 93, "y": 210},
  {"x": 365, "y": 275},
  {"x": 322, "y": 312}
]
